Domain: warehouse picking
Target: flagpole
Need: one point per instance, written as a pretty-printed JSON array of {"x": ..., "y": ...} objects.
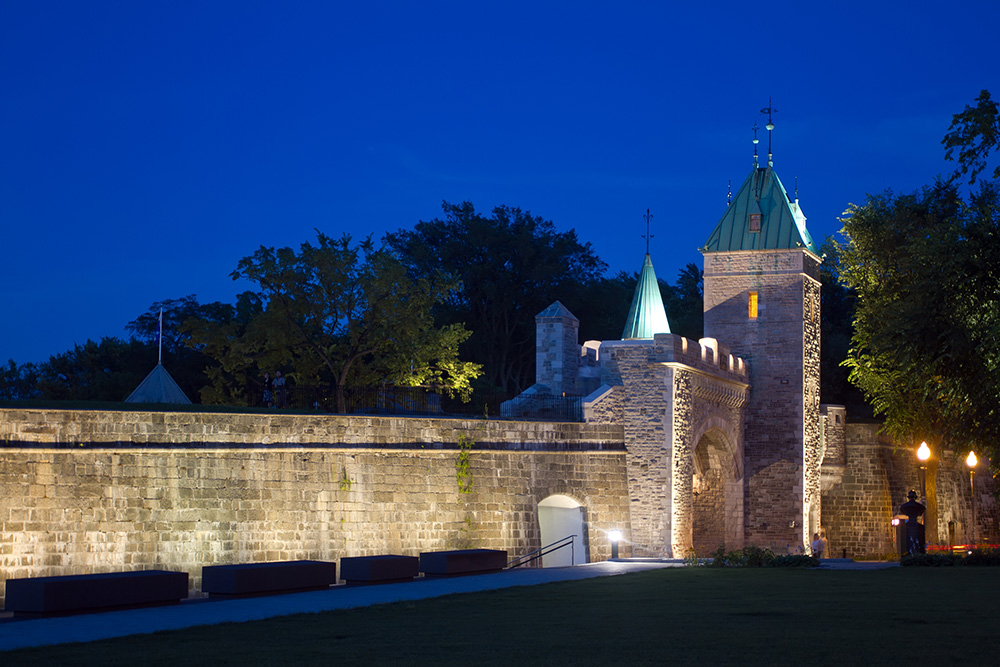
[{"x": 159, "y": 359}]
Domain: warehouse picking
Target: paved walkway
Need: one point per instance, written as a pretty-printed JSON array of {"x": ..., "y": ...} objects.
[{"x": 21, "y": 633}]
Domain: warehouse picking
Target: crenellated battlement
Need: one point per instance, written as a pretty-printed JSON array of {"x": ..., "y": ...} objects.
[{"x": 705, "y": 355}]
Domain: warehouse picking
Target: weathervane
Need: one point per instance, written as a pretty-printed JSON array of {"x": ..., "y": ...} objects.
[
  {"x": 647, "y": 218},
  {"x": 770, "y": 126}
]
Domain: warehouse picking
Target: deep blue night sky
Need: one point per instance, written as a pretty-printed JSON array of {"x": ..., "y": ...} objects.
[{"x": 146, "y": 147}]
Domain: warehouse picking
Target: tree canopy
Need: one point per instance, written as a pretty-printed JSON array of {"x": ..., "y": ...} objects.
[
  {"x": 510, "y": 266},
  {"x": 974, "y": 134},
  {"x": 926, "y": 342},
  {"x": 337, "y": 312}
]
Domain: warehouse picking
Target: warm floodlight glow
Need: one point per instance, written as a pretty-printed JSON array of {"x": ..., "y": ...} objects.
[
  {"x": 615, "y": 535},
  {"x": 972, "y": 460},
  {"x": 923, "y": 452}
]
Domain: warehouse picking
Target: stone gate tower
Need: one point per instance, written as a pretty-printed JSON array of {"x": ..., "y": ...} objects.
[{"x": 762, "y": 297}]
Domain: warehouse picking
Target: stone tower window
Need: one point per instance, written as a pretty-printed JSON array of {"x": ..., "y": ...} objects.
[{"x": 753, "y": 305}]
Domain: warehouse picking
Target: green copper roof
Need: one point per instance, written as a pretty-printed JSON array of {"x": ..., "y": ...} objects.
[
  {"x": 646, "y": 316},
  {"x": 782, "y": 223}
]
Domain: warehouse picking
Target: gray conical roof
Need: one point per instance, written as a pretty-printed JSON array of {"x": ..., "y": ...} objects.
[
  {"x": 158, "y": 387},
  {"x": 647, "y": 316}
]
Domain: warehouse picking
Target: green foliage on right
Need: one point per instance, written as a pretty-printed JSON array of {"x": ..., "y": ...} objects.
[{"x": 926, "y": 344}]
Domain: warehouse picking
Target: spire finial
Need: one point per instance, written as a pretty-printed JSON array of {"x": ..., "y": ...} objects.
[
  {"x": 729, "y": 195},
  {"x": 647, "y": 218},
  {"x": 770, "y": 126},
  {"x": 755, "y": 142}
]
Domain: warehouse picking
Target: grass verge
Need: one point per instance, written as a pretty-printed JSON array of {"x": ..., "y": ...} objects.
[{"x": 678, "y": 617}]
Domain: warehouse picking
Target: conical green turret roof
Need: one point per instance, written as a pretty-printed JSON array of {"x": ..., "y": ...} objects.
[
  {"x": 647, "y": 316},
  {"x": 781, "y": 224}
]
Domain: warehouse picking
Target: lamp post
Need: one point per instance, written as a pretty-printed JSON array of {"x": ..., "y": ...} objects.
[
  {"x": 923, "y": 453},
  {"x": 971, "y": 462},
  {"x": 615, "y": 536}
]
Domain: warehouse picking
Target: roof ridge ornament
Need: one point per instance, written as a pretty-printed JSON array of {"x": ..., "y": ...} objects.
[
  {"x": 755, "y": 142},
  {"x": 769, "y": 109}
]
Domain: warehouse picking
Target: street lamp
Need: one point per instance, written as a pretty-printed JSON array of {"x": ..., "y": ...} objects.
[
  {"x": 615, "y": 536},
  {"x": 923, "y": 453},
  {"x": 971, "y": 462}
]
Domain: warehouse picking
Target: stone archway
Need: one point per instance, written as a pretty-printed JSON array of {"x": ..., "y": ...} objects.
[
  {"x": 715, "y": 489},
  {"x": 708, "y": 490}
]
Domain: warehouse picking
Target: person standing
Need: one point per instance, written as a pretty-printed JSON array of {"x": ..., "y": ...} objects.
[
  {"x": 817, "y": 546},
  {"x": 279, "y": 389},
  {"x": 268, "y": 394}
]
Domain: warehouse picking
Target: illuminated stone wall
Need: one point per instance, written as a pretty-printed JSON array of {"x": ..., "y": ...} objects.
[
  {"x": 673, "y": 395},
  {"x": 781, "y": 348},
  {"x": 88, "y": 491},
  {"x": 861, "y": 496}
]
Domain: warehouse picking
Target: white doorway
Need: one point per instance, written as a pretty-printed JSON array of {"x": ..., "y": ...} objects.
[{"x": 559, "y": 517}]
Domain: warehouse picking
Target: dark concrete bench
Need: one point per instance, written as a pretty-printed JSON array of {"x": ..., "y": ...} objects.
[
  {"x": 378, "y": 569},
  {"x": 266, "y": 578},
  {"x": 94, "y": 592},
  {"x": 463, "y": 561}
]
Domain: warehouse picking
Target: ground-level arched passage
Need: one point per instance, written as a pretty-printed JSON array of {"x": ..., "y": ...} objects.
[
  {"x": 561, "y": 516},
  {"x": 716, "y": 495}
]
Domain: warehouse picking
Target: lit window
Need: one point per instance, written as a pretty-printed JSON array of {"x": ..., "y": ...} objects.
[{"x": 753, "y": 305}]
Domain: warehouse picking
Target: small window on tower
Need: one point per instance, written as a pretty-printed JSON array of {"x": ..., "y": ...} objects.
[
  {"x": 755, "y": 222},
  {"x": 753, "y": 305}
]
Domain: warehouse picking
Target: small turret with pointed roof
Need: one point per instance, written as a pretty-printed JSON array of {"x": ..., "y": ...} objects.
[{"x": 647, "y": 316}]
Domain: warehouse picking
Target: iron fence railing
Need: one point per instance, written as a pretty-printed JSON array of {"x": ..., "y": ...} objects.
[{"x": 548, "y": 408}]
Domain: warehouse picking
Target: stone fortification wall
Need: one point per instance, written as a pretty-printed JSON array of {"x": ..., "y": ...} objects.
[
  {"x": 858, "y": 505},
  {"x": 106, "y": 491}
]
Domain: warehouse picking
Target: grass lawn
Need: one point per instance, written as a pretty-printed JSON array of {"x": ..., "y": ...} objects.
[{"x": 703, "y": 616}]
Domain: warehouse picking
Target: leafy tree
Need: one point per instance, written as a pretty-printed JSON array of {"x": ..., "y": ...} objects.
[
  {"x": 839, "y": 304},
  {"x": 511, "y": 265},
  {"x": 348, "y": 314},
  {"x": 186, "y": 362},
  {"x": 926, "y": 343},
  {"x": 685, "y": 302},
  {"x": 108, "y": 370},
  {"x": 974, "y": 133},
  {"x": 18, "y": 383}
]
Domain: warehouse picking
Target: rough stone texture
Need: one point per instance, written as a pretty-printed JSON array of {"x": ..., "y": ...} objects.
[
  {"x": 858, "y": 506},
  {"x": 84, "y": 492},
  {"x": 673, "y": 394},
  {"x": 781, "y": 348},
  {"x": 557, "y": 350}
]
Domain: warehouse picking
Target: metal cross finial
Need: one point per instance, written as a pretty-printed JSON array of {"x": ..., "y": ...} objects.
[
  {"x": 770, "y": 126},
  {"x": 755, "y": 142},
  {"x": 647, "y": 218}
]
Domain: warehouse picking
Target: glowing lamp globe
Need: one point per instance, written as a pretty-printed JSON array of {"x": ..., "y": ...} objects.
[
  {"x": 923, "y": 452},
  {"x": 972, "y": 460}
]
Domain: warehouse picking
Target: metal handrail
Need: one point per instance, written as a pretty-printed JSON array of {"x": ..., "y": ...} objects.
[{"x": 531, "y": 556}]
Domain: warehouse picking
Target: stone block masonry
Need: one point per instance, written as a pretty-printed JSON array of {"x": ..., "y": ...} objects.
[{"x": 89, "y": 491}]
